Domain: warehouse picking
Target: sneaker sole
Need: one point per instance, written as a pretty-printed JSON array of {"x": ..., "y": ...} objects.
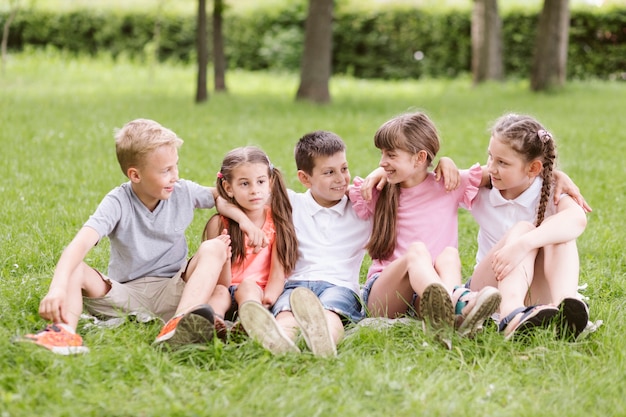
[
  {"x": 262, "y": 327},
  {"x": 311, "y": 318},
  {"x": 572, "y": 318},
  {"x": 542, "y": 318},
  {"x": 487, "y": 302},
  {"x": 436, "y": 308},
  {"x": 196, "y": 327},
  {"x": 69, "y": 350}
]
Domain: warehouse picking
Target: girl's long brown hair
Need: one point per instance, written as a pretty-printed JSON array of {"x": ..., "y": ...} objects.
[
  {"x": 412, "y": 133},
  {"x": 286, "y": 240},
  {"x": 531, "y": 140}
]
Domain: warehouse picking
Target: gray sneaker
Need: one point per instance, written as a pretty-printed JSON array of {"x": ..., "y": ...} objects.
[
  {"x": 262, "y": 327},
  {"x": 310, "y": 315},
  {"x": 436, "y": 308}
]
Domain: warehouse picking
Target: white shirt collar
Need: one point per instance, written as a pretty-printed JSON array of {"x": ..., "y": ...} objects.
[
  {"x": 526, "y": 199},
  {"x": 313, "y": 206}
]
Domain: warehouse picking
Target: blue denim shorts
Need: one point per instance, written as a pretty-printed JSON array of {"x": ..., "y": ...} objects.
[
  {"x": 367, "y": 288},
  {"x": 341, "y": 300}
]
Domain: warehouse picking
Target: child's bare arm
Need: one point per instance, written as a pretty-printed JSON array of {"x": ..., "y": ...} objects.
[
  {"x": 256, "y": 237},
  {"x": 447, "y": 169},
  {"x": 275, "y": 282},
  {"x": 563, "y": 184},
  {"x": 53, "y": 306},
  {"x": 375, "y": 179}
]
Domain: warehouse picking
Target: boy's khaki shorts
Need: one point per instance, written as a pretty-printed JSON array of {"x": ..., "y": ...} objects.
[{"x": 155, "y": 296}]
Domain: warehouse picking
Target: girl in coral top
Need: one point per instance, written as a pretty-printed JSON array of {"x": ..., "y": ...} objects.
[{"x": 247, "y": 178}]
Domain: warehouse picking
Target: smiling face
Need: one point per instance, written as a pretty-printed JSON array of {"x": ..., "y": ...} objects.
[
  {"x": 329, "y": 179},
  {"x": 510, "y": 173},
  {"x": 153, "y": 180},
  {"x": 249, "y": 186},
  {"x": 403, "y": 167}
]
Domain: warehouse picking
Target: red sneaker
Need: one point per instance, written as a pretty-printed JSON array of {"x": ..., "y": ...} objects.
[{"x": 58, "y": 340}]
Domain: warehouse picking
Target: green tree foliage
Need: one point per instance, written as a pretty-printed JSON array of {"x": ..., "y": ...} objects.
[{"x": 390, "y": 44}]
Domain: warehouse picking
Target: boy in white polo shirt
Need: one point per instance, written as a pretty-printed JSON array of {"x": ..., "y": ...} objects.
[{"x": 321, "y": 294}]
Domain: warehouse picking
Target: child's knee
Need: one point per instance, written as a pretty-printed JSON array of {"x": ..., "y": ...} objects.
[
  {"x": 417, "y": 250},
  {"x": 213, "y": 248}
]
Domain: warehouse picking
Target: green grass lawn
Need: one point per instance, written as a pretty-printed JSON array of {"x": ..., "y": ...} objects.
[{"x": 57, "y": 116}]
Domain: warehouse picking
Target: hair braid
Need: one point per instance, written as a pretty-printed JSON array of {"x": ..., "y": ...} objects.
[{"x": 549, "y": 153}]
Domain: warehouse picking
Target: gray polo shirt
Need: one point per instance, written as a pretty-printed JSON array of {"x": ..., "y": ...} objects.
[{"x": 143, "y": 242}]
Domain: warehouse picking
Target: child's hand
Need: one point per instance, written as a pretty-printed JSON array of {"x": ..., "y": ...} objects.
[
  {"x": 506, "y": 259},
  {"x": 446, "y": 169},
  {"x": 52, "y": 306},
  {"x": 256, "y": 237},
  {"x": 563, "y": 184},
  {"x": 273, "y": 289},
  {"x": 376, "y": 179}
]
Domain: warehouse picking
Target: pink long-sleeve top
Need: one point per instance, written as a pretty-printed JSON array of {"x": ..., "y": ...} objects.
[{"x": 427, "y": 213}]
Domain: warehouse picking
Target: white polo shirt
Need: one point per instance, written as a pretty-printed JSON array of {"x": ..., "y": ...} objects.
[
  {"x": 496, "y": 215},
  {"x": 331, "y": 241}
]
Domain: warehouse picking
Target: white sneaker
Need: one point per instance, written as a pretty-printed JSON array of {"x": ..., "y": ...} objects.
[
  {"x": 309, "y": 313},
  {"x": 262, "y": 327},
  {"x": 483, "y": 304}
]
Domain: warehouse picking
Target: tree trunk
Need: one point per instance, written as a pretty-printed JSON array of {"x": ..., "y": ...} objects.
[
  {"x": 202, "y": 50},
  {"x": 5, "y": 33},
  {"x": 486, "y": 42},
  {"x": 549, "y": 67},
  {"x": 315, "y": 67},
  {"x": 219, "y": 59}
]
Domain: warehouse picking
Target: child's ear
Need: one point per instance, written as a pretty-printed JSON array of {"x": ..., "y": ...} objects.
[
  {"x": 421, "y": 157},
  {"x": 133, "y": 175},
  {"x": 227, "y": 188},
  {"x": 304, "y": 178},
  {"x": 535, "y": 168}
]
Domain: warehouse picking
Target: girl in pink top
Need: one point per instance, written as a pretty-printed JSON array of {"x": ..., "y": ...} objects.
[
  {"x": 414, "y": 242},
  {"x": 247, "y": 179}
]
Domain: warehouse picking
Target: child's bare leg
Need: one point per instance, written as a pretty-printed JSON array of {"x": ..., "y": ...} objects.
[
  {"x": 203, "y": 272},
  {"x": 220, "y": 300},
  {"x": 516, "y": 284},
  {"x": 248, "y": 290},
  {"x": 448, "y": 267},
  {"x": 335, "y": 325},
  {"x": 84, "y": 280},
  {"x": 393, "y": 291},
  {"x": 288, "y": 323},
  {"x": 556, "y": 274}
]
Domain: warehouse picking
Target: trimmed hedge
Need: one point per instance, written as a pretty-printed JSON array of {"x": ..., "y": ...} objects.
[{"x": 390, "y": 44}]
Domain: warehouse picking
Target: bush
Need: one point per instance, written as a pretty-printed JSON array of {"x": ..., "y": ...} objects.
[{"x": 391, "y": 44}]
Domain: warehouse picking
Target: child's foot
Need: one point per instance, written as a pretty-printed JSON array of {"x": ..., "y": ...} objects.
[
  {"x": 193, "y": 326},
  {"x": 311, "y": 318},
  {"x": 572, "y": 319},
  {"x": 58, "y": 339},
  {"x": 262, "y": 327},
  {"x": 474, "y": 308},
  {"x": 222, "y": 327},
  {"x": 520, "y": 321},
  {"x": 436, "y": 308}
]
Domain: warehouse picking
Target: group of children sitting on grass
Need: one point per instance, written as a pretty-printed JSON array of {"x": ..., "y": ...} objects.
[{"x": 277, "y": 264}]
